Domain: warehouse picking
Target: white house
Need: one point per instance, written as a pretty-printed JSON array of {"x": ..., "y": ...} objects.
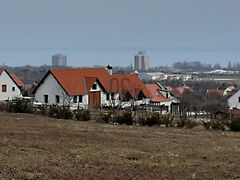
[
  {"x": 234, "y": 101},
  {"x": 9, "y": 86},
  {"x": 89, "y": 88},
  {"x": 162, "y": 99}
]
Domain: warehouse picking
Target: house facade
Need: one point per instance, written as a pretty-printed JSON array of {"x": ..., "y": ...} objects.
[
  {"x": 90, "y": 88},
  {"x": 9, "y": 88},
  {"x": 162, "y": 100},
  {"x": 234, "y": 101}
]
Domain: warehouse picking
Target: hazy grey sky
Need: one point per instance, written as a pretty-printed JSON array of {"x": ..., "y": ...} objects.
[{"x": 112, "y": 31}]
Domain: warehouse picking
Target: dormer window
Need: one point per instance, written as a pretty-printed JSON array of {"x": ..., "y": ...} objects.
[{"x": 94, "y": 87}]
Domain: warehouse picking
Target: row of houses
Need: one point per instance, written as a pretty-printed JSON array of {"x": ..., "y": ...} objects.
[{"x": 92, "y": 88}]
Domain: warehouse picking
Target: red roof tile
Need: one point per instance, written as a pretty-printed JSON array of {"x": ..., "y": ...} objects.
[
  {"x": 72, "y": 80},
  {"x": 156, "y": 96},
  {"x": 78, "y": 81},
  {"x": 17, "y": 80},
  {"x": 180, "y": 90},
  {"x": 1, "y": 70},
  {"x": 128, "y": 83},
  {"x": 169, "y": 88},
  {"x": 215, "y": 91}
]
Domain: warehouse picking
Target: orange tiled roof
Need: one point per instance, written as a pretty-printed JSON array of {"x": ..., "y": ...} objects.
[
  {"x": 17, "y": 80},
  {"x": 1, "y": 70},
  {"x": 72, "y": 80},
  {"x": 128, "y": 83},
  {"x": 156, "y": 95},
  {"x": 169, "y": 88},
  {"x": 78, "y": 81},
  {"x": 180, "y": 90},
  {"x": 215, "y": 91}
]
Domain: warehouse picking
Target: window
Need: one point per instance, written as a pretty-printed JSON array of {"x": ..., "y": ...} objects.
[
  {"x": 112, "y": 96},
  {"x": 13, "y": 88},
  {"x": 46, "y": 98},
  {"x": 57, "y": 99},
  {"x": 4, "y": 88},
  {"x": 94, "y": 86},
  {"x": 166, "y": 95},
  {"x": 75, "y": 99},
  {"x": 239, "y": 99},
  {"x": 80, "y": 99},
  {"x": 108, "y": 96}
]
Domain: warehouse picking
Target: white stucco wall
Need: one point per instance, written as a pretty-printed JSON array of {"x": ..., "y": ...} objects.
[
  {"x": 233, "y": 101},
  {"x": 51, "y": 88},
  {"x": 9, "y": 94}
]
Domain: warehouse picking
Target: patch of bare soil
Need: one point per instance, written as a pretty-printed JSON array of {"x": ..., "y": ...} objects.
[{"x": 36, "y": 147}]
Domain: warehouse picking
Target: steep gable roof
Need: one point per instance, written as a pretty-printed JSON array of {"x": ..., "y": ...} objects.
[
  {"x": 180, "y": 90},
  {"x": 156, "y": 95},
  {"x": 215, "y": 91},
  {"x": 14, "y": 78},
  {"x": 1, "y": 70},
  {"x": 72, "y": 80},
  {"x": 128, "y": 83},
  {"x": 17, "y": 80},
  {"x": 79, "y": 81}
]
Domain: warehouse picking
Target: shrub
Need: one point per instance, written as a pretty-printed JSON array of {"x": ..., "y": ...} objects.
[
  {"x": 65, "y": 113},
  {"x": 82, "y": 115},
  {"x": 20, "y": 106},
  {"x": 3, "y": 107},
  {"x": 106, "y": 117},
  {"x": 207, "y": 125},
  {"x": 217, "y": 124},
  {"x": 125, "y": 118},
  {"x": 181, "y": 121},
  {"x": 152, "y": 120},
  {"x": 60, "y": 112},
  {"x": 235, "y": 124}
]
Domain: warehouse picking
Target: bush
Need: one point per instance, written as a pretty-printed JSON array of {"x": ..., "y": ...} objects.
[
  {"x": 183, "y": 121},
  {"x": 65, "y": 113},
  {"x": 235, "y": 124},
  {"x": 125, "y": 118},
  {"x": 217, "y": 124},
  {"x": 20, "y": 106},
  {"x": 153, "y": 120},
  {"x": 107, "y": 118},
  {"x": 3, "y": 107},
  {"x": 82, "y": 115},
  {"x": 156, "y": 119},
  {"x": 60, "y": 112}
]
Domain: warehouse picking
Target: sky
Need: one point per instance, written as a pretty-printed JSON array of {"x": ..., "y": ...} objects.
[{"x": 94, "y": 32}]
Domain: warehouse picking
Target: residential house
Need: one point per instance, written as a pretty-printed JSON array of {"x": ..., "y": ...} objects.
[
  {"x": 10, "y": 87},
  {"x": 162, "y": 99},
  {"x": 234, "y": 101},
  {"x": 219, "y": 92},
  {"x": 178, "y": 92},
  {"x": 90, "y": 88}
]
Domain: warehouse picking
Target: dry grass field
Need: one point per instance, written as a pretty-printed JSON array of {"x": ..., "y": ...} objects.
[{"x": 36, "y": 147}]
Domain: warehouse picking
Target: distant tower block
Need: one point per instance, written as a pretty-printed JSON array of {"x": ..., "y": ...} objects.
[
  {"x": 141, "y": 61},
  {"x": 59, "y": 60}
]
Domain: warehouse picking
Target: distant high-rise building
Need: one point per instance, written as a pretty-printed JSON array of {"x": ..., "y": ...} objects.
[
  {"x": 141, "y": 61},
  {"x": 59, "y": 60}
]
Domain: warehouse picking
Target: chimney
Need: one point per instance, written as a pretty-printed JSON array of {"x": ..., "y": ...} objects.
[{"x": 109, "y": 69}]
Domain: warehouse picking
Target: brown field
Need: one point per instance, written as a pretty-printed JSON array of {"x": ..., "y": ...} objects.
[{"x": 35, "y": 147}]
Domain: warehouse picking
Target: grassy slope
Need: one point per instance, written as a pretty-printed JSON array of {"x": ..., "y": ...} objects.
[{"x": 34, "y": 147}]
